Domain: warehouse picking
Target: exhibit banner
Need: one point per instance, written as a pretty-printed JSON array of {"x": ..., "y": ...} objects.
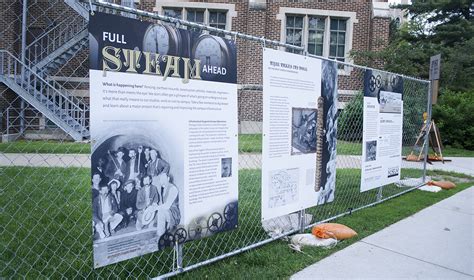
[
  {"x": 163, "y": 122},
  {"x": 299, "y": 132},
  {"x": 382, "y": 129}
]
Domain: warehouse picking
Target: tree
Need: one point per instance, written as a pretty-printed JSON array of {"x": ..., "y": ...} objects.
[{"x": 439, "y": 26}]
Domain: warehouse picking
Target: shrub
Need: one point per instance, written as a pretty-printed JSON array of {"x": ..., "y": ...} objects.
[
  {"x": 454, "y": 116},
  {"x": 349, "y": 123}
]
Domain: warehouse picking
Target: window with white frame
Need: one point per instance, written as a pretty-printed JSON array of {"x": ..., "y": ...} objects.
[
  {"x": 217, "y": 15},
  {"x": 323, "y": 36},
  {"x": 320, "y": 32}
]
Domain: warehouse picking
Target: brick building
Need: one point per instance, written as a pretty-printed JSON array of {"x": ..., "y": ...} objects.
[{"x": 56, "y": 50}]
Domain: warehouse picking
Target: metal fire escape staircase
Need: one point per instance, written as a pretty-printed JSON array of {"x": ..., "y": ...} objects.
[{"x": 45, "y": 56}]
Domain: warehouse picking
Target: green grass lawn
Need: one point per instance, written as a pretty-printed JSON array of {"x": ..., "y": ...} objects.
[
  {"x": 46, "y": 147},
  {"x": 248, "y": 143},
  {"x": 276, "y": 261},
  {"x": 46, "y": 228}
]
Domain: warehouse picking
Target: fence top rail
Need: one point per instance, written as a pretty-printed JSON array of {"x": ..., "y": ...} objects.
[
  {"x": 370, "y": 68},
  {"x": 190, "y": 24},
  {"x": 263, "y": 40}
]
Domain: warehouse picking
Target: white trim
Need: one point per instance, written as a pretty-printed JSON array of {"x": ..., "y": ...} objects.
[
  {"x": 381, "y": 9},
  {"x": 229, "y": 8},
  {"x": 348, "y": 92},
  {"x": 351, "y": 19}
]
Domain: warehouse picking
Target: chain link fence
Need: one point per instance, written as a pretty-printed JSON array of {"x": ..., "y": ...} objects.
[{"x": 45, "y": 175}]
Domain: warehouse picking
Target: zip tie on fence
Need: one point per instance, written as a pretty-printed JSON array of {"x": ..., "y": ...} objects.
[{"x": 90, "y": 5}]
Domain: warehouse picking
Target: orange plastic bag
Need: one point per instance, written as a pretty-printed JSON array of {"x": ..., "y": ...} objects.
[
  {"x": 447, "y": 185},
  {"x": 333, "y": 230}
]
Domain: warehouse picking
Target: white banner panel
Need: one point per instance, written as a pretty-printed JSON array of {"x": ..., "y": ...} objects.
[
  {"x": 164, "y": 131},
  {"x": 382, "y": 130},
  {"x": 293, "y": 152}
]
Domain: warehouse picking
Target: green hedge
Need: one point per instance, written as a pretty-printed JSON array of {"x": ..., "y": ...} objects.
[
  {"x": 454, "y": 116},
  {"x": 349, "y": 123}
]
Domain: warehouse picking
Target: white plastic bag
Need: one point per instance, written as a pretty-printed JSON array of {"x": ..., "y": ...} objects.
[
  {"x": 427, "y": 188},
  {"x": 307, "y": 239}
]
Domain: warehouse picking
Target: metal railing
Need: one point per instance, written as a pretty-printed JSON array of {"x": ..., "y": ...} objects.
[
  {"x": 54, "y": 38},
  {"x": 19, "y": 120},
  {"x": 50, "y": 95}
]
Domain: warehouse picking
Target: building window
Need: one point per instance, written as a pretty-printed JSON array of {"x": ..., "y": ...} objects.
[
  {"x": 213, "y": 18},
  {"x": 217, "y": 19},
  {"x": 196, "y": 16},
  {"x": 337, "y": 42},
  {"x": 318, "y": 35},
  {"x": 217, "y": 15},
  {"x": 326, "y": 33},
  {"x": 294, "y": 31},
  {"x": 174, "y": 13}
]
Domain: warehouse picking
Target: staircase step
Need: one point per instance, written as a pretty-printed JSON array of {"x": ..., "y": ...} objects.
[{"x": 36, "y": 94}]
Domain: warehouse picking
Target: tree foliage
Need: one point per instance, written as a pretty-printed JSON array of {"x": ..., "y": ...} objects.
[
  {"x": 434, "y": 26},
  {"x": 454, "y": 117},
  {"x": 349, "y": 123}
]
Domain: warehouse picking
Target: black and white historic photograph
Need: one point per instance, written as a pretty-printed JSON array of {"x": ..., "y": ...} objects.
[
  {"x": 133, "y": 195},
  {"x": 303, "y": 131},
  {"x": 132, "y": 190},
  {"x": 226, "y": 167},
  {"x": 390, "y": 102},
  {"x": 371, "y": 150},
  {"x": 329, "y": 138}
]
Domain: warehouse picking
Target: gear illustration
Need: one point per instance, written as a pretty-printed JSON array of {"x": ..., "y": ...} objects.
[
  {"x": 197, "y": 228},
  {"x": 166, "y": 240},
  {"x": 180, "y": 235},
  {"x": 378, "y": 81},
  {"x": 214, "y": 223},
  {"x": 372, "y": 83},
  {"x": 230, "y": 211}
]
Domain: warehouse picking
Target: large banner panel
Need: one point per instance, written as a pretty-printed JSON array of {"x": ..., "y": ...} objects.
[
  {"x": 382, "y": 129},
  {"x": 164, "y": 136},
  {"x": 299, "y": 132}
]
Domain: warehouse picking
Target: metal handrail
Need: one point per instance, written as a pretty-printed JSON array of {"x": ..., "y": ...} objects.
[
  {"x": 52, "y": 29},
  {"x": 31, "y": 81},
  {"x": 14, "y": 114},
  {"x": 54, "y": 39},
  {"x": 77, "y": 26}
]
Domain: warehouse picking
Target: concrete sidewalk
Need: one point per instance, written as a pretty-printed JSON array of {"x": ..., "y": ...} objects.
[
  {"x": 435, "y": 243},
  {"x": 246, "y": 161}
]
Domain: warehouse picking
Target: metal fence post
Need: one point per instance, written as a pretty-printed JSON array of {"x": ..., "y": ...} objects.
[
  {"x": 179, "y": 256},
  {"x": 379, "y": 194},
  {"x": 302, "y": 222},
  {"x": 23, "y": 60},
  {"x": 427, "y": 133}
]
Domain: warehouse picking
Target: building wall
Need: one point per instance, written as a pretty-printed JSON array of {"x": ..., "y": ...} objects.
[{"x": 254, "y": 17}]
